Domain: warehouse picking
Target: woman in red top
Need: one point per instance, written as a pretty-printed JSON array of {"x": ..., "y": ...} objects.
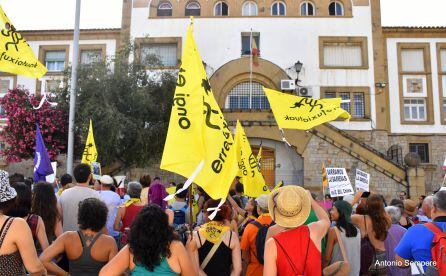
[
  {"x": 294, "y": 248},
  {"x": 128, "y": 211}
]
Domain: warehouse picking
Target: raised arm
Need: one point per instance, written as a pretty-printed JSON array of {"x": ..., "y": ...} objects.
[
  {"x": 318, "y": 229},
  {"x": 234, "y": 204}
]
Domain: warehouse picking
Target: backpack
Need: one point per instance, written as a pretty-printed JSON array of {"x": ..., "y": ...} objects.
[
  {"x": 438, "y": 248},
  {"x": 261, "y": 239},
  {"x": 179, "y": 216}
]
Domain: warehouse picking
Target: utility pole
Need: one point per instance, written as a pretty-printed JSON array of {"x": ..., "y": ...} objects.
[{"x": 74, "y": 64}]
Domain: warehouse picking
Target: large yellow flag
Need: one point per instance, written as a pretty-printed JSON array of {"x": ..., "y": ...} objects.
[
  {"x": 198, "y": 142},
  {"x": 90, "y": 152},
  {"x": 303, "y": 113},
  {"x": 16, "y": 57},
  {"x": 249, "y": 171}
]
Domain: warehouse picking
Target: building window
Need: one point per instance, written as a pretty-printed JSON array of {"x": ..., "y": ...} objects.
[
  {"x": 221, "y": 9},
  {"x": 357, "y": 105},
  {"x": 247, "y": 95},
  {"x": 55, "y": 61},
  {"x": 164, "y": 9},
  {"x": 307, "y": 8},
  {"x": 278, "y": 8},
  {"x": 395, "y": 153},
  {"x": 343, "y": 53},
  {"x": 249, "y": 9},
  {"x": 414, "y": 75},
  {"x": 246, "y": 42},
  {"x": 422, "y": 149},
  {"x": 5, "y": 85},
  {"x": 193, "y": 9},
  {"x": 164, "y": 54},
  {"x": 415, "y": 109},
  {"x": 336, "y": 9},
  {"x": 90, "y": 56},
  {"x": 441, "y": 54}
]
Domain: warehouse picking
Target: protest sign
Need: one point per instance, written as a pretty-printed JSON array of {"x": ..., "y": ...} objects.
[
  {"x": 50, "y": 178},
  {"x": 362, "y": 180},
  {"x": 96, "y": 169},
  {"x": 338, "y": 182}
]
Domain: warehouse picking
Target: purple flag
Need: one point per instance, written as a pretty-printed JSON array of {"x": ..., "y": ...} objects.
[{"x": 42, "y": 162}]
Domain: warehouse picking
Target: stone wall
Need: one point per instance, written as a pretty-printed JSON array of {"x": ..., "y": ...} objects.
[{"x": 319, "y": 151}]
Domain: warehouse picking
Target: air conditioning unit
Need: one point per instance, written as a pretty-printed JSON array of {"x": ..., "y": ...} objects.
[
  {"x": 287, "y": 85},
  {"x": 305, "y": 92}
]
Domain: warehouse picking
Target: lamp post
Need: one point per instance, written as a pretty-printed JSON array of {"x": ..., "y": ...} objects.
[
  {"x": 298, "y": 67},
  {"x": 74, "y": 64}
]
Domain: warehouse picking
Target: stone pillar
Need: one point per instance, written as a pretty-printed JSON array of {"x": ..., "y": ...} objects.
[{"x": 417, "y": 182}]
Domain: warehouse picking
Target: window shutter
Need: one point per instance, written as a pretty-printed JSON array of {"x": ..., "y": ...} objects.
[
  {"x": 412, "y": 60},
  {"x": 342, "y": 55}
]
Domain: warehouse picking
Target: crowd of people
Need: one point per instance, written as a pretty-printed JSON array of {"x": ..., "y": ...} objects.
[{"x": 87, "y": 227}]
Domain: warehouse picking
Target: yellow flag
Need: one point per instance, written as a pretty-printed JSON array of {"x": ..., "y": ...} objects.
[
  {"x": 303, "y": 113},
  {"x": 198, "y": 134},
  {"x": 249, "y": 171},
  {"x": 278, "y": 185},
  {"x": 259, "y": 156},
  {"x": 16, "y": 57},
  {"x": 324, "y": 177},
  {"x": 90, "y": 152}
]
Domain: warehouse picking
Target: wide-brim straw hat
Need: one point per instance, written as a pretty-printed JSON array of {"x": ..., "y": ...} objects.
[
  {"x": 289, "y": 206},
  {"x": 410, "y": 207}
]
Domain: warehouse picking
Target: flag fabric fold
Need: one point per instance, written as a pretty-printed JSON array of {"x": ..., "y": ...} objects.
[
  {"x": 249, "y": 171},
  {"x": 198, "y": 141},
  {"x": 90, "y": 153},
  {"x": 324, "y": 177},
  {"x": 16, "y": 57},
  {"x": 42, "y": 162},
  {"x": 255, "y": 52},
  {"x": 303, "y": 113}
]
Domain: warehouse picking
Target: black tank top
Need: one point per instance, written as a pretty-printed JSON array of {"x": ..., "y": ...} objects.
[
  {"x": 221, "y": 263},
  {"x": 85, "y": 265}
]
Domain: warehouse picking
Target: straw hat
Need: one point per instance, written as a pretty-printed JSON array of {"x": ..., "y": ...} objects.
[
  {"x": 6, "y": 191},
  {"x": 410, "y": 207},
  {"x": 289, "y": 206}
]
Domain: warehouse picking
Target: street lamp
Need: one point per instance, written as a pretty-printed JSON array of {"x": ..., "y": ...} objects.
[{"x": 298, "y": 67}]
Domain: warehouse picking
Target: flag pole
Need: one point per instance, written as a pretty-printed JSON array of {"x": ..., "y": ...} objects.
[
  {"x": 74, "y": 63},
  {"x": 250, "y": 69}
]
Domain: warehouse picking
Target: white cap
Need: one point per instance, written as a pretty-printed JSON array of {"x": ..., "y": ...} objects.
[
  {"x": 262, "y": 202},
  {"x": 106, "y": 180}
]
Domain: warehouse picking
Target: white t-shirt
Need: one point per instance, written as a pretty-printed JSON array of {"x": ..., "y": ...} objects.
[
  {"x": 112, "y": 200},
  {"x": 69, "y": 201}
]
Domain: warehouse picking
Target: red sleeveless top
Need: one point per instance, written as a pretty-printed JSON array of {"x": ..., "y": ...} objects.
[
  {"x": 297, "y": 254},
  {"x": 130, "y": 214}
]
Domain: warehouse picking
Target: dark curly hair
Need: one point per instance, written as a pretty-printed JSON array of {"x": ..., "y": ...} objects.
[
  {"x": 150, "y": 237},
  {"x": 380, "y": 223},
  {"x": 92, "y": 214},
  {"x": 22, "y": 203},
  {"x": 44, "y": 204}
]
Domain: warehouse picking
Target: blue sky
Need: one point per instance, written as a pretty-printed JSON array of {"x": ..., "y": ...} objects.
[{"x": 59, "y": 14}]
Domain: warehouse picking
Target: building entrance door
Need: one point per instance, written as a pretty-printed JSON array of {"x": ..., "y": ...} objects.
[{"x": 267, "y": 164}]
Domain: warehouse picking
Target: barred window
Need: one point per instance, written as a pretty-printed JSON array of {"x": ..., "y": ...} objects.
[
  {"x": 243, "y": 96},
  {"x": 358, "y": 105},
  {"x": 422, "y": 149},
  {"x": 395, "y": 153},
  {"x": 166, "y": 53}
]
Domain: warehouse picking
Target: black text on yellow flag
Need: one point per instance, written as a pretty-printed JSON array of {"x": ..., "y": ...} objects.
[{"x": 199, "y": 144}]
